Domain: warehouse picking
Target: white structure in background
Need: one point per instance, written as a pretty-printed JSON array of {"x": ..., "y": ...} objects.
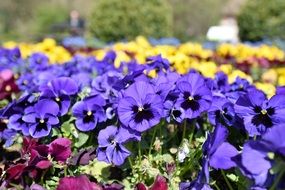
[{"x": 227, "y": 31}]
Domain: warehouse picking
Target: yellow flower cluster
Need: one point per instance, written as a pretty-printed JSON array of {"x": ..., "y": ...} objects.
[
  {"x": 56, "y": 53},
  {"x": 242, "y": 52}
]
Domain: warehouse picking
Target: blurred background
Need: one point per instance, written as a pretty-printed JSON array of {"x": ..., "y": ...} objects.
[{"x": 113, "y": 20}]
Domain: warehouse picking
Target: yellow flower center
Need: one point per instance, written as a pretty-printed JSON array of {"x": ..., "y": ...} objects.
[
  {"x": 16, "y": 76},
  {"x": 89, "y": 113},
  {"x": 42, "y": 121},
  {"x": 57, "y": 99},
  {"x": 264, "y": 112},
  {"x": 190, "y": 98},
  {"x": 140, "y": 109}
]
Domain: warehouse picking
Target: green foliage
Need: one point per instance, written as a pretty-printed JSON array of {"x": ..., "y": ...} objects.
[
  {"x": 260, "y": 19},
  {"x": 192, "y": 18},
  {"x": 115, "y": 20},
  {"x": 49, "y": 16}
]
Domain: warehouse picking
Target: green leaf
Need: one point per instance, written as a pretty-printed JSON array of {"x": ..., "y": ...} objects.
[
  {"x": 81, "y": 140},
  {"x": 66, "y": 128},
  {"x": 56, "y": 132},
  {"x": 97, "y": 169},
  {"x": 3, "y": 103}
]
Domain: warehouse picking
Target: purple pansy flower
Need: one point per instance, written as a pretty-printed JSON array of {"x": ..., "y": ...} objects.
[
  {"x": 258, "y": 113},
  {"x": 41, "y": 117},
  {"x": 172, "y": 111},
  {"x": 140, "y": 108},
  {"x": 157, "y": 62},
  {"x": 38, "y": 61},
  {"x": 217, "y": 151},
  {"x": 218, "y": 154},
  {"x": 15, "y": 113},
  {"x": 221, "y": 111},
  {"x": 201, "y": 182},
  {"x": 103, "y": 84},
  {"x": 8, "y": 136},
  {"x": 194, "y": 96},
  {"x": 59, "y": 90},
  {"x": 280, "y": 90},
  {"x": 89, "y": 112},
  {"x": 239, "y": 87},
  {"x": 164, "y": 83},
  {"x": 258, "y": 157},
  {"x": 130, "y": 79},
  {"x": 219, "y": 84},
  {"x": 111, "y": 140},
  {"x": 25, "y": 82},
  {"x": 83, "y": 79}
]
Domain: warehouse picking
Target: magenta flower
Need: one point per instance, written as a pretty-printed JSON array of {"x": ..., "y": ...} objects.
[
  {"x": 7, "y": 84},
  {"x": 160, "y": 183},
  {"x": 77, "y": 183},
  {"x": 60, "y": 149}
]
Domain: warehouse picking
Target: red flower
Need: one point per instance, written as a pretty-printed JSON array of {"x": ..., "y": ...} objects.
[
  {"x": 7, "y": 84},
  {"x": 60, "y": 149},
  {"x": 160, "y": 183},
  {"x": 77, "y": 183}
]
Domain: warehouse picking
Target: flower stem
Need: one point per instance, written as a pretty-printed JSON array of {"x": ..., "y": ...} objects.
[
  {"x": 65, "y": 171},
  {"x": 152, "y": 140},
  {"x": 227, "y": 181},
  {"x": 277, "y": 180},
  {"x": 184, "y": 129},
  {"x": 140, "y": 154},
  {"x": 217, "y": 187},
  {"x": 191, "y": 133},
  {"x": 140, "y": 160},
  {"x": 161, "y": 138},
  {"x": 130, "y": 162}
]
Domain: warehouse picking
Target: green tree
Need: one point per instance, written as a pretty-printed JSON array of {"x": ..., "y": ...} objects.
[
  {"x": 261, "y": 19},
  {"x": 116, "y": 20}
]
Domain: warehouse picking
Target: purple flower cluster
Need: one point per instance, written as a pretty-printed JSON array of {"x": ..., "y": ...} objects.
[{"x": 117, "y": 108}]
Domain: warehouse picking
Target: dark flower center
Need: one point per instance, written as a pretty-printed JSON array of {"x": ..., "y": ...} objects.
[
  {"x": 88, "y": 117},
  {"x": 142, "y": 112},
  {"x": 42, "y": 124},
  {"x": 176, "y": 113},
  {"x": 262, "y": 116},
  {"x": 223, "y": 115},
  {"x": 111, "y": 140},
  {"x": 190, "y": 102},
  {"x": 221, "y": 83}
]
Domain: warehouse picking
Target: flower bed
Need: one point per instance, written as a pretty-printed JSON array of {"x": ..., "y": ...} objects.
[{"x": 133, "y": 115}]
